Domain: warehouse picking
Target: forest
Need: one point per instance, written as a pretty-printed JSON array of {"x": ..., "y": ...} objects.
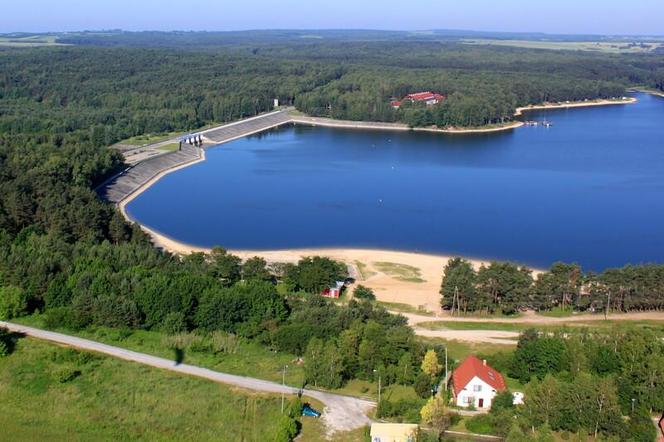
[
  {"x": 68, "y": 255},
  {"x": 510, "y": 288}
]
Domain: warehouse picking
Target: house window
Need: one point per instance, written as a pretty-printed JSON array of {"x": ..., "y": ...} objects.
[{"x": 477, "y": 388}]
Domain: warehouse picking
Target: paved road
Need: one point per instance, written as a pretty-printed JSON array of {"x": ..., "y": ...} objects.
[{"x": 341, "y": 413}]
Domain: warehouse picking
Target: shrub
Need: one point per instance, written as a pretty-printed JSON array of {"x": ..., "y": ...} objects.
[
  {"x": 174, "y": 323},
  {"x": 287, "y": 429},
  {"x": 362, "y": 292},
  {"x": 13, "y": 302},
  {"x": 63, "y": 317},
  {"x": 225, "y": 343},
  {"x": 423, "y": 385},
  {"x": 67, "y": 374},
  {"x": 4, "y": 350},
  {"x": 480, "y": 424}
]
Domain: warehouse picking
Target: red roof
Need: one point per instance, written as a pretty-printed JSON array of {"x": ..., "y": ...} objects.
[
  {"x": 472, "y": 367},
  {"x": 425, "y": 96}
]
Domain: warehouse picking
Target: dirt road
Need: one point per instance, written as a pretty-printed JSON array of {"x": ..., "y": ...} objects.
[{"x": 341, "y": 413}]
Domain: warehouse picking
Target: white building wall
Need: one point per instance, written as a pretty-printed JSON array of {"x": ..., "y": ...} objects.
[{"x": 475, "y": 390}]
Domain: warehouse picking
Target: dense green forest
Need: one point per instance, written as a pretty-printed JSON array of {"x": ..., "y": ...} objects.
[
  {"x": 509, "y": 288},
  {"x": 71, "y": 256}
]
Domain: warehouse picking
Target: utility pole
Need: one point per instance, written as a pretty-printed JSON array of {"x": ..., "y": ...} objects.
[
  {"x": 283, "y": 384},
  {"x": 376, "y": 371},
  {"x": 446, "y": 368}
]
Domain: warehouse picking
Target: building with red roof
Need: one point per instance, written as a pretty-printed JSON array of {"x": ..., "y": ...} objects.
[
  {"x": 428, "y": 98},
  {"x": 475, "y": 383}
]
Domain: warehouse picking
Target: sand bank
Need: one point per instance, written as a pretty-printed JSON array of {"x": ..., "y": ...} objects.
[
  {"x": 347, "y": 124},
  {"x": 572, "y": 104}
]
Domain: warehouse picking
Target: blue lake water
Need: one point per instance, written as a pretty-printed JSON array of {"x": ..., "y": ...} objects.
[{"x": 589, "y": 190}]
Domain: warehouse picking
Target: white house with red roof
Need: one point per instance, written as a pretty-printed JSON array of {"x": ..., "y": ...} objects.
[{"x": 475, "y": 383}]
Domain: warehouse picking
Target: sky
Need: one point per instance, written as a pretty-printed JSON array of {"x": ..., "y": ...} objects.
[{"x": 639, "y": 17}]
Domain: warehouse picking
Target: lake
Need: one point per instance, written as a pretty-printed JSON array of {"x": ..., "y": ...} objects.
[{"x": 589, "y": 189}]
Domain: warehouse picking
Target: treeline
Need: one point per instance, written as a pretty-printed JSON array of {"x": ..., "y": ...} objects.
[
  {"x": 507, "y": 287},
  {"x": 581, "y": 384},
  {"x": 474, "y": 98},
  {"x": 133, "y": 286}
]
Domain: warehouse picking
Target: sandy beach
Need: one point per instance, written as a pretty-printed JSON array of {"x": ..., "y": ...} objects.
[
  {"x": 395, "y": 276},
  {"x": 573, "y": 104}
]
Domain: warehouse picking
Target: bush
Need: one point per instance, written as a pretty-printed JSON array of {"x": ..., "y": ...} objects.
[
  {"x": 174, "y": 323},
  {"x": 67, "y": 374},
  {"x": 502, "y": 401},
  {"x": 480, "y": 424},
  {"x": 63, "y": 317},
  {"x": 362, "y": 292},
  {"x": 4, "y": 349},
  {"x": 287, "y": 430},
  {"x": 13, "y": 302},
  {"x": 423, "y": 385},
  {"x": 225, "y": 343}
]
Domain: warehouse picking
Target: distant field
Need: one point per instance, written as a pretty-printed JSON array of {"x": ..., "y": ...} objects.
[
  {"x": 621, "y": 47},
  {"x": 57, "y": 394},
  {"x": 33, "y": 40}
]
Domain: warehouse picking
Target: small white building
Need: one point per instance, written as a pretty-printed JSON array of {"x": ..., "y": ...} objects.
[
  {"x": 475, "y": 384},
  {"x": 385, "y": 432}
]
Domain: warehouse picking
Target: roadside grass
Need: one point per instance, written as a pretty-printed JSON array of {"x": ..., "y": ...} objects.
[
  {"x": 405, "y": 308},
  {"x": 402, "y": 272},
  {"x": 364, "y": 271},
  {"x": 250, "y": 359},
  {"x": 557, "y": 313},
  {"x": 48, "y": 392},
  {"x": 171, "y": 147}
]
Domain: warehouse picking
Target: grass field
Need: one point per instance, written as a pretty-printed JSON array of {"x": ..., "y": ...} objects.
[
  {"x": 617, "y": 47},
  {"x": 53, "y": 393},
  {"x": 405, "y": 308},
  {"x": 250, "y": 359},
  {"x": 402, "y": 272},
  {"x": 142, "y": 140},
  {"x": 172, "y": 147},
  {"x": 29, "y": 41}
]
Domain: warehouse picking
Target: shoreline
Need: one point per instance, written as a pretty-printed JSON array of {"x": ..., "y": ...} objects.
[
  {"x": 388, "y": 288},
  {"x": 366, "y": 265},
  {"x": 370, "y": 125},
  {"x": 572, "y": 104}
]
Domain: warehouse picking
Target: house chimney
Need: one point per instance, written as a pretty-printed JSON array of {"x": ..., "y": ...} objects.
[{"x": 484, "y": 362}]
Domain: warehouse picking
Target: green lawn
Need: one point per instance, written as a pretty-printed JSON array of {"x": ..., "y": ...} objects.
[
  {"x": 53, "y": 393},
  {"x": 402, "y": 272},
  {"x": 405, "y": 308},
  {"x": 171, "y": 147},
  {"x": 141, "y": 140}
]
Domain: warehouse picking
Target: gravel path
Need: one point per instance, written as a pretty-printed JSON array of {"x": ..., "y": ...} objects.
[{"x": 341, "y": 413}]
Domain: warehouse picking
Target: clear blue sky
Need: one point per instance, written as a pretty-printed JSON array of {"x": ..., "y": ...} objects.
[{"x": 551, "y": 16}]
